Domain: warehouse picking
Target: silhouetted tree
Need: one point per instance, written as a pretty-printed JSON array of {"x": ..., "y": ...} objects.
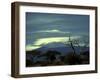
[
  {"x": 76, "y": 42},
  {"x": 72, "y": 59},
  {"x": 70, "y": 42}
]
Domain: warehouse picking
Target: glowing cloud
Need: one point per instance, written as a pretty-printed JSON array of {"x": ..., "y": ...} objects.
[
  {"x": 31, "y": 47},
  {"x": 48, "y": 31},
  {"x": 50, "y": 40},
  {"x": 44, "y": 41}
]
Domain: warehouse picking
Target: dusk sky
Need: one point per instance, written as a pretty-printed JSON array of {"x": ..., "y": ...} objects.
[{"x": 44, "y": 28}]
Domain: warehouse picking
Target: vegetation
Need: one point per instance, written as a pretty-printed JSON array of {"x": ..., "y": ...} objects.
[{"x": 53, "y": 58}]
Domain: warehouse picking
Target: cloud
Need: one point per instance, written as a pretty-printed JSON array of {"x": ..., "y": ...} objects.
[
  {"x": 43, "y": 41},
  {"x": 40, "y": 18},
  {"x": 30, "y": 47},
  {"x": 50, "y": 40},
  {"x": 49, "y": 31}
]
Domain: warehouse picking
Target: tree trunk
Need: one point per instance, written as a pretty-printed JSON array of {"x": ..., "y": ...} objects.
[{"x": 72, "y": 46}]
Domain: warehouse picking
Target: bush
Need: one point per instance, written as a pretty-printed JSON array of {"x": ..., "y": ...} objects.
[
  {"x": 29, "y": 63},
  {"x": 72, "y": 59}
]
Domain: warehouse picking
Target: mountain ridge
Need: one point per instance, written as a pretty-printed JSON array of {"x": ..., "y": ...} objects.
[{"x": 60, "y": 47}]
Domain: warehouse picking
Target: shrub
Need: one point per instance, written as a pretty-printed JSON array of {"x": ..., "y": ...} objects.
[{"x": 72, "y": 59}]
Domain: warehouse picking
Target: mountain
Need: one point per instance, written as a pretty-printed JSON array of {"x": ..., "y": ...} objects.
[
  {"x": 56, "y": 51},
  {"x": 60, "y": 47}
]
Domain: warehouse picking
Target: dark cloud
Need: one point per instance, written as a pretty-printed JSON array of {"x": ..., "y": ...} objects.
[{"x": 36, "y": 23}]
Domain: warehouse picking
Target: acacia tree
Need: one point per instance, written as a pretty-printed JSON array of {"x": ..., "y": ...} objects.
[
  {"x": 72, "y": 45},
  {"x": 76, "y": 42},
  {"x": 72, "y": 58},
  {"x": 82, "y": 44},
  {"x": 70, "y": 42}
]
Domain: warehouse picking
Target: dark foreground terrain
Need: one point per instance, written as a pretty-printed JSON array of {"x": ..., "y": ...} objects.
[{"x": 53, "y": 57}]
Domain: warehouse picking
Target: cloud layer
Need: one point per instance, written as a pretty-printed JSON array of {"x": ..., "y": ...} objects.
[{"x": 43, "y": 28}]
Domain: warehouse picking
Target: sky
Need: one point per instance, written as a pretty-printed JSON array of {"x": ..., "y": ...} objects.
[{"x": 44, "y": 28}]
